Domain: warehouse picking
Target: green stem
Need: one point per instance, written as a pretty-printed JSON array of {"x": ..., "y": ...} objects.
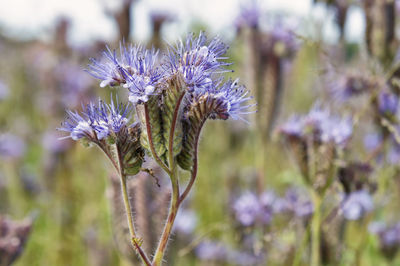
[
  {"x": 170, "y": 220},
  {"x": 134, "y": 239},
  {"x": 316, "y": 230}
]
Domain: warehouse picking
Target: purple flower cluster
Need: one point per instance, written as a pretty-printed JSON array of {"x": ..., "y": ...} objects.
[
  {"x": 249, "y": 15},
  {"x": 321, "y": 125},
  {"x": 209, "y": 250},
  {"x": 250, "y": 208},
  {"x": 199, "y": 62},
  {"x": 97, "y": 121},
  {"x": 185, "y": 221}
]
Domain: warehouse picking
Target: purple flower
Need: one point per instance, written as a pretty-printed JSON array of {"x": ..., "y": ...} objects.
[
  {"x": 249, "y": 16},
  {"x": 209, "y": 250},
  {"x": 247, "y": 209},
  {"x": 387, "y": 103},
  {"x": 4, "y": 90},
  {"x": 135, "y": 69},
  {"x": 293, "y": 127},
  {"x": 231, "y": 100},
  {"x": 50, "y": 142},
  {"x": 344, "y": 86},
  {"x": 297, "y": 203},
  {"x": 196, "y": 60},
  {"x": 185, "y": 221},
  {"x": 389, "y": 238},
  {"x": 96, "y": 122},
  {"x": 372, "y": 141},
  {"x": 357, "y": 204},
  {"x": 11, "y": 146},
  {"x": 321, "y": 124}
]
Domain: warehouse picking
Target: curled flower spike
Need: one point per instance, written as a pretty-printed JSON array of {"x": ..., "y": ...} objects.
[
  {"x": 196, "y": 60},
  {"x": 96, "y": 122},
  {"x": 228, "y": 100},
  {"x": 233, "y": 98}
]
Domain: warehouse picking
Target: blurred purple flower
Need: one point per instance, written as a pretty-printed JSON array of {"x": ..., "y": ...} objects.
[
  {"x": 250, "y": 13},
  {"x": 247, "y": 208},
  {"x": 372, "y": 141},
  {"x": 387, "y": 103},
  {"x": 357, "y": 204},
  {"x": 72, "y": 81},
  {"x": 297, "y": 203},
  {"x": 209, "y": 250},
  {"x": 4, "y": 91},
  {"x": 51, "y": 142},
  {"x": 11, "y": 146},
  {"x": 324, "y": 126},
  {"x": 185, "y": 222},
  {"x": 389, "y": 238}
]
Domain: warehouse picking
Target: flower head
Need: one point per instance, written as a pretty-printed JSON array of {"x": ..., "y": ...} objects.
[
  {"x": 135, "y": 69},
  {"x": 96, "y": 122},
  {"x": 321, "y": 124},
  {"x": 357, "y": 205},
  {"x": 249, "y": 15},
  {"x": 196, "y": 60}
]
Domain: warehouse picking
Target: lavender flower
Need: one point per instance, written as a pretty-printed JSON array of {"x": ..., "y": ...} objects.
[
  {"x": 196, "y": 60},
  {"x": 321, "y": 124},
  {"x": 249, "y": 208},
  {"x": 185, "y": 221},
  {"x": 348, "y": 85},
  {"x": 96, "y": 122},
  {"x": 297, "y": 204},
  {"x": 372, "y": 141},
  {"x": 209, "y": 250},
  {"x": 135, "y": 69},
  {"x": 387, "y": 103},
  {"x": 357, "y": 204},
  {"x": 11, "y": 146},
  {"x": 4, "y": 91},
  {"x": 389, "y": 238},
  {"x": 249, "y": 16}
]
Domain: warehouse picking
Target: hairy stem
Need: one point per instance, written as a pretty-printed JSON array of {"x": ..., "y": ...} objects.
[
  {"x": 170, "y": 220},
  {"x": 316, "y": 230},
  {"x": 128, "y": 210}
]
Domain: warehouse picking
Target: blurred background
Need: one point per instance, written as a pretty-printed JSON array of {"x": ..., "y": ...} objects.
[{"x": 60, "y": 202}]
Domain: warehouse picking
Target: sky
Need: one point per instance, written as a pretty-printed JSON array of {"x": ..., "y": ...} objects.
[{"x": 36, "y": 18}]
